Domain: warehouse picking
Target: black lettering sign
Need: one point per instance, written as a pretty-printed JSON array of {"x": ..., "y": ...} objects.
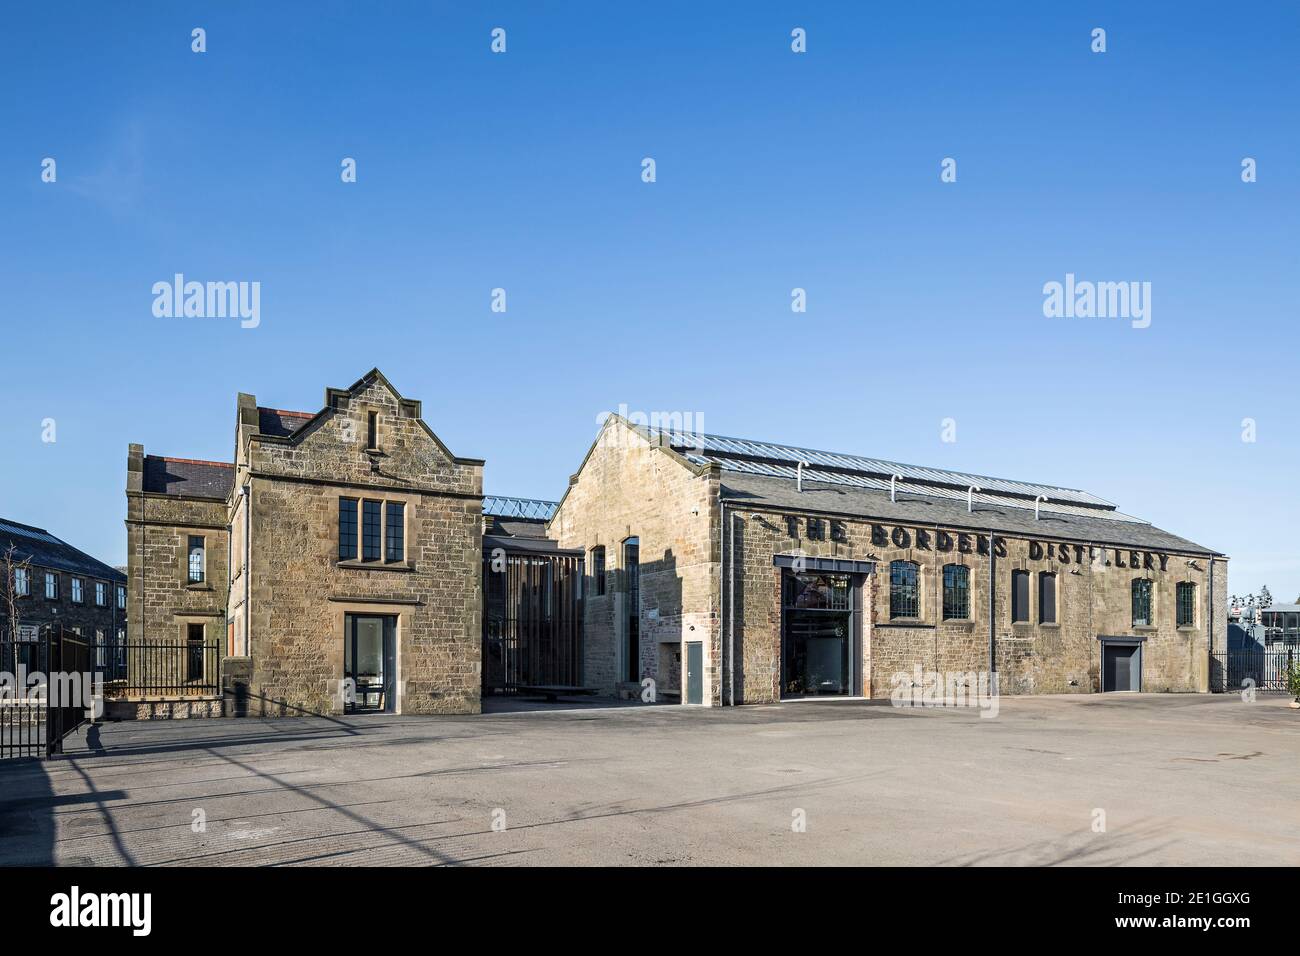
[
  {"x": 943, "y": 540},
  {"x": 1035, "y": 551},
  {"x": 923, "y": 539},
  {"x": 878, "y": 536},
  {"x": 901, "y": 538}
]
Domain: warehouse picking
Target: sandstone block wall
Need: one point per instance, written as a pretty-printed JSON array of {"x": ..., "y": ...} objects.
[{"x": 630, "y": 488}]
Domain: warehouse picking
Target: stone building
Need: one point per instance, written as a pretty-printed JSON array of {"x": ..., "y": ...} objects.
[
  {"x": 336, "y": 556},
  {"x": 738, "y": 571},
  {"x": 347, "y": 560},
  {"x": 54, "y": 583}
]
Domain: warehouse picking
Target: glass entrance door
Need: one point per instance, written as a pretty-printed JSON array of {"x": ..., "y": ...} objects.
[
  {"x": 368, "y": 662},
  {"x": 817, "y": 635}
]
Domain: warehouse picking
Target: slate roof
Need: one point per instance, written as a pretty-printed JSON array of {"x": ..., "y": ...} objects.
[
  {"x": 188, "y": 476},
  {"x": 44, "y": 550},
  {"x": 280, "y": 422},
  {"x": 922, "y": 509}
]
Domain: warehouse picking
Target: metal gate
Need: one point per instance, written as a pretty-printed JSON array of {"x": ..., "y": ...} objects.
[
  {"x": 532, "y": 621},
  {"x": 1264, "y": 670},
  {"x": 47, "y": 677}
]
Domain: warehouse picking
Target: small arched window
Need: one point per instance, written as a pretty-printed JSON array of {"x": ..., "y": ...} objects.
[
  {"x": 904, "y": 590},
  {"x": 1142, "y": 602},
  {"x": 1186, "y": 593},
  {"x": 956, "y": 592}
]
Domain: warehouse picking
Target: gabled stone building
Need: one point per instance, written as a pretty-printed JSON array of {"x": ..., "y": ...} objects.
[
  {"x": 338, "y": 556},
  {"x": 736, "y": 571},
  {"x": 346, "y": 561}
]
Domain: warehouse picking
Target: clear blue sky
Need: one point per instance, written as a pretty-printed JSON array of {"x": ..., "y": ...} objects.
[{"x": 775, "y": 171}]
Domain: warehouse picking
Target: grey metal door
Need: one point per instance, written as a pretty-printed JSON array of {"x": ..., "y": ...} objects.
[
  {"x": 695, "y": 672},
  {"x": 1121, "y": 667}
]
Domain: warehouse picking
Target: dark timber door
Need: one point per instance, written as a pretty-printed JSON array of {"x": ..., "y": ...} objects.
[
  {"x": 694, "y": 672},
  {"x": 1121, "y": 666}
]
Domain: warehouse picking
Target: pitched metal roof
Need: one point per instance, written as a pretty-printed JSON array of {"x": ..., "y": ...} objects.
[
  {"x": 533, "y": 509},
  {"x": 836, "y": 498},
  {"x": 44, "y": 550},
  {"x": 188, "y": 476},
  {"x": 759, "y": 457}
]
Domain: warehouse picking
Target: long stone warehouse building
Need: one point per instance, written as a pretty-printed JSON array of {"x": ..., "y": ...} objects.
[{"x": 346, "y": 559}]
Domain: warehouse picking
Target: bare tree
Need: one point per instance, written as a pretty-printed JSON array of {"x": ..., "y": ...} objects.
[{"x": 10, "y": 598}]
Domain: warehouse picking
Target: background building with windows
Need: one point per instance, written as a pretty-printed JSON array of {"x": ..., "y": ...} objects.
[
  {"x": 54, "y": 583},
  {"x": 749, "y": 571}
]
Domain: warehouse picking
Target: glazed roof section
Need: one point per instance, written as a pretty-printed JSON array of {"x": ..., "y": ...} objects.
[
  {"x": 854, "y": 485},
  {"x": 528, "y": 509},
  {"x": 782, "y": 461},
  {"x": 44, "y": 550},
  {"x": 191, "y": 477}
]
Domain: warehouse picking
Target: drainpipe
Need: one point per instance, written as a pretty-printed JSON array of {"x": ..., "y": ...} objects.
[
  {"x": 970, "y": 498},
  {"x": 1036, "y": 501},
  {"x": 893, "y": 486},
  {"x": 798, "y": 476},
  {"x": 1209, "y": 633},
  {"x": 722, "y": 575},
  {"x": 731, "y": 613},
  {"x": 993, "y": 621},
  {"x": 248, "y": 552}
]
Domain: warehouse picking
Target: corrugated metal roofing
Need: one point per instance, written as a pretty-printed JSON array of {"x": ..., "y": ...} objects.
[{"x": 529, "y": 508}]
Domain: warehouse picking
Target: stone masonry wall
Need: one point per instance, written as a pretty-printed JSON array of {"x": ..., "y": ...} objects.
[
  {"x": 629, "y": 488},
  {"x": 1093, "y": 597},
  {"x": 161, "y": 602},
  {"x": 301, "y": 591}
]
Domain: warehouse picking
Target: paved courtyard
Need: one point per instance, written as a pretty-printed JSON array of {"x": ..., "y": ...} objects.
[{"x": 1181, "y": 779}]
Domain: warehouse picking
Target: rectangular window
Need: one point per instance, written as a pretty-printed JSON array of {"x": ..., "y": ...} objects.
[
  {"x": 1142, "y": 602},
  {"x": 1046, "y": 598},
  {"x": 121, "y": 597},
  {"x": 394, "y": 531},
  {"x": 370, "y": 512},
  {"x": 197, "y": 562},
  {"x": 51, "y": 586},
  {"x": 956, "y": 592},
  {"x": 372, "y": 430},
  {"x": 1019, "y": 597},
  {"x": 22, "y": 586},
  {"x": 101, "y": 594},
  {"x": 1186, "y": 604},
  {"x": 347, "y": 529},
  {"x": 598, "y": 569},
  {"x": 632, "y": 579},
  {"x": 76, "y": 591},
  {"x": 904, "y": 590}
]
